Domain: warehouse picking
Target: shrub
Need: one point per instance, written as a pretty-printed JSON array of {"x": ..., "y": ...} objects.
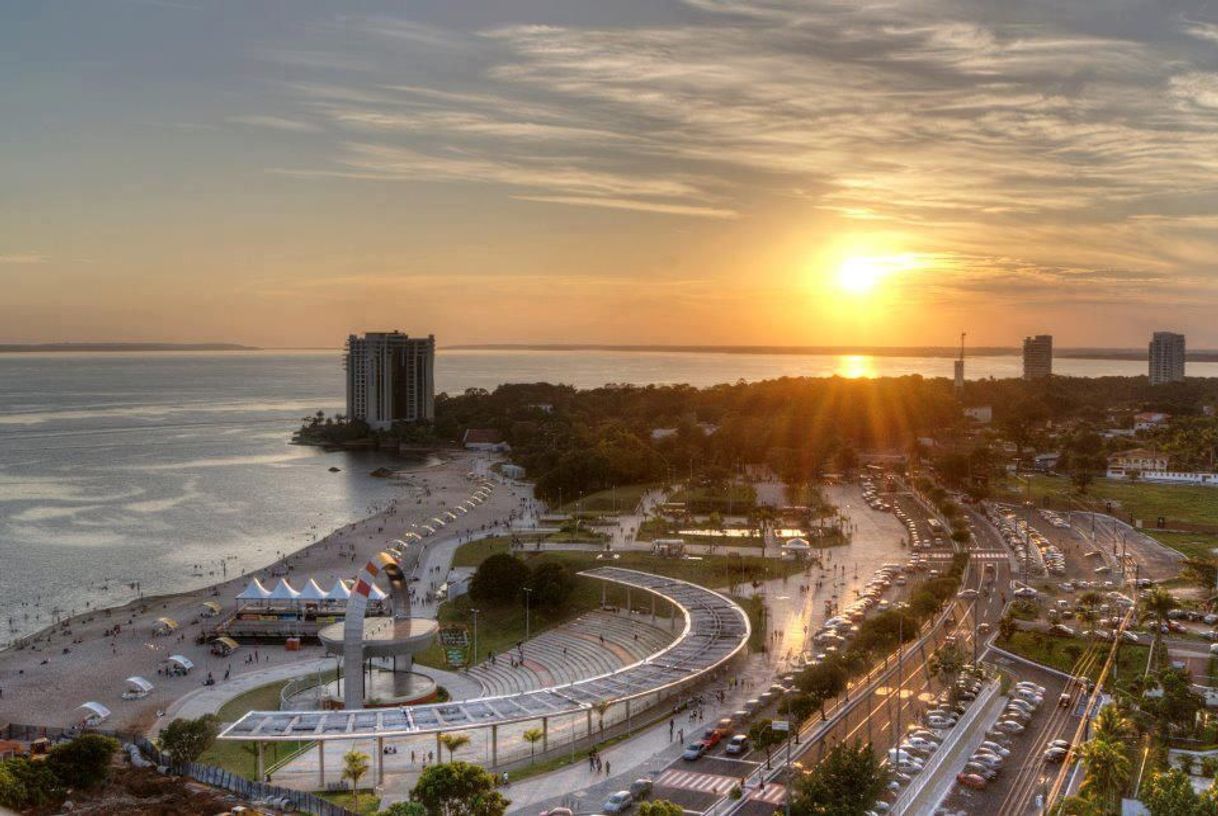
[{"x": 84, "y": 762}]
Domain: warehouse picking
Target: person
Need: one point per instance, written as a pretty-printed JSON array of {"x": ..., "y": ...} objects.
[{"x": 607, "y": 768}]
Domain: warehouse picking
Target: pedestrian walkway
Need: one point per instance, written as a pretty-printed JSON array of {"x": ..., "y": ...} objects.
[{"x": 692, "y": 780}]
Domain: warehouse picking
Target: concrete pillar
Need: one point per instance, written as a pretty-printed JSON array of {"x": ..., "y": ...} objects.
[
  {"x": 438, "y": 747},
  {"x": 627, "y": 716},
  {"x": 494, "y": 744},
  {"x": 589, "y": 712},
  {"x": 628, "y": 602},
  {"x": 653, "y": 608},
  {"x": 604, "y": 594},
  {"x": 321, "y": 765},
  {"x": 261, "y": 764},
  {"x": 545, "y": 734},
  {"x": 380, "y": 760}
]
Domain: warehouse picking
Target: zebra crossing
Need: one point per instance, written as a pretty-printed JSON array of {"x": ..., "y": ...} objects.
[
  {"x": 773, "y": 794},
  {"x": 692, "y": 780},
  {"x": 997, "y": 555}
]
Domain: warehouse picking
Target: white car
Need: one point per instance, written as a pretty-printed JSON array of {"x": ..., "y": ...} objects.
[
  {"x": 1027, "y": 684},
  {"x": 1009, "y": 726},
  {"x": 922, "y": 743},
  {"x": 940, "y": 722},
  {"x": 1026, "y": 592},
  {"x": 967, "y": 594},
  {"x": 995, "y": 748}
]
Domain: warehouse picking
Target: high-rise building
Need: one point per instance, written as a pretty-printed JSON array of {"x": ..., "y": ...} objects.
[
  {"x": 390, "y": 378},
  {"x": 1038, "y": 357},
  {"x": 1166, "y": 358}
]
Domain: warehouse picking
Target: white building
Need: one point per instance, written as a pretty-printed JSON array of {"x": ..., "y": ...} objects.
[
  {"x": 980, "y": 413},
  {"x": 390, "y": 378},
  {"x": 1150, "y": 420},
  {"x": 1166, "y": 358}
]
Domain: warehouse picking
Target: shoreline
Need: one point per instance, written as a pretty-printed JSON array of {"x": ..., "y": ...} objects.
[{"x": 46, "y": 675}]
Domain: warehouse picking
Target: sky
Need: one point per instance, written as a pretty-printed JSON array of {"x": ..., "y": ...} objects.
[{"x": 775, "y": 172}]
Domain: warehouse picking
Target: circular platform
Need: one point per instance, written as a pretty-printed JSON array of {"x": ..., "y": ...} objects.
[
  {"x": 385, "y": 687},
  {"x": 384, "y": 637}
]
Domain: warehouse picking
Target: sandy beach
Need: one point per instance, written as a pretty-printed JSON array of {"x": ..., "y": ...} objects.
[{"x": 82, "y": 659}]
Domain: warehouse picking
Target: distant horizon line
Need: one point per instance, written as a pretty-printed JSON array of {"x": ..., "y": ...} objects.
[{"x": 1076, "y": 352}]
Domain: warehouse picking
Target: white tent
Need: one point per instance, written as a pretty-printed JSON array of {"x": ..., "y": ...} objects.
[
  {"x": 183, "y": 661},
  {"x": 312, "y": 592},
  {"x": 254, "y": 592},
  {"x": 796, "y": 544},
  {"x": 139, "y": 687},
  {"x": 283, "y": 591},
  {"x": 339, "y": 592},
  {"x": 97, "y": 712},
  {"x": 377, "y": 594}
]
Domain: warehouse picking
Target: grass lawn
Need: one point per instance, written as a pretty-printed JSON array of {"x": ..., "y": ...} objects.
[
  {"x": 499, "y": 628},
  {"x": 1063, "y": 653},
  {"x": 474, "y": 553},
  {"x": 1144, "y": 500},
  {"x": 365, "y": 803},
  {"x": 622, "y": 499},
  {"x": 239, "y": 757},
  {"x": 1193, "y": 545}
]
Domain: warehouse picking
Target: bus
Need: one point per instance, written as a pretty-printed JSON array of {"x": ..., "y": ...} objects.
[{"x": 936, "y": 526}]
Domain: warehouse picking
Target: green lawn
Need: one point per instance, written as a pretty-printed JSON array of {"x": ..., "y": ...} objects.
[
  {"x": 1063, "y": 653},
  {"x": 499, "y": 628},
  {"x": 737, "y": 497},
  {"x": 1193, "y": 545},
  {"x": 365, "y": 803},
  {"x": 1144, "y": 500},
  {"x": 622, "y": 499},
  {"x": 239, "y": 757},
  {"x": 474, "y": 553}
]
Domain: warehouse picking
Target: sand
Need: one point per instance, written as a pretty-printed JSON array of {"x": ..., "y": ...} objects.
[{"x": 67, "y": 665}]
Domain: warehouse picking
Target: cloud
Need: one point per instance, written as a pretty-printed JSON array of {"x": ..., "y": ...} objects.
[
  {"x": 274, "y": 123},
  {"x": 22, "y": 258}
]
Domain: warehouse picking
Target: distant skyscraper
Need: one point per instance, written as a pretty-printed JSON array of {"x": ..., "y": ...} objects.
[
  {"x": 1038, "y": 356},
  {"x": 390, "y": 378},
  {"x": 1166, "y": 358}
]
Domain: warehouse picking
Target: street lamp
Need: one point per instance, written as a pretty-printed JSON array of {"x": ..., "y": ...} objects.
[
  {"x": 528, "y": 594},
  {"x": 475, "y": 660}
]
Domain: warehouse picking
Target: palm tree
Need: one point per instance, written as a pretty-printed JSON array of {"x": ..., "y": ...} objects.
[
  {"x": 1108, "y": 771},
  {"x": 452, "y": 742},
  {"x": 1111, "y": 725},
  {"x": 532, "y": 737},
  {"x": 1155, "y": 606},
  {"x": 355, "y": 766}
]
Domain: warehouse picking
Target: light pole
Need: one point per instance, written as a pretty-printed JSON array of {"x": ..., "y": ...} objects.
[
  {"x": 528, "y": 594},
  {"x": 475, "y": 660}
]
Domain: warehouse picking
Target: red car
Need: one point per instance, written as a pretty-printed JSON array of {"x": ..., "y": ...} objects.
[
  {"x": 971, "y": 781},
  {"x": 711, "y": 737}
]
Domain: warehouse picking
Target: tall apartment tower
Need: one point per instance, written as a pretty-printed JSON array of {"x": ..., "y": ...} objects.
[
  {"x": 390, "y": 378},
  {"x": 1038, "y": 357},
  {"x": 1166, "y": 358}
]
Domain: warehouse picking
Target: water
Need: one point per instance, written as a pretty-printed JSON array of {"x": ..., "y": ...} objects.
[{"x": 117, "y": 468}]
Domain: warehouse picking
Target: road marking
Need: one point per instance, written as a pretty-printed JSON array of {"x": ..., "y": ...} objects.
[
  {"x": 692, "y": 780},
  {"x": 774, "y": 794}
]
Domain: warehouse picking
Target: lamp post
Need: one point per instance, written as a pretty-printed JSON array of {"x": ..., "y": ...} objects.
[
  {"x": 475, "y": 660},
  {"x": 528, "y": 595}
]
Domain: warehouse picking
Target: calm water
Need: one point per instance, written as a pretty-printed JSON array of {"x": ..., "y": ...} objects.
[{"x": 116, "y": 468}]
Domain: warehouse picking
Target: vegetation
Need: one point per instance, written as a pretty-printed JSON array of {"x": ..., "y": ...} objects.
[
  {"x": 660, "y": 807},
  {"x": 458, "y": 789},
  {"x": 403, "y": 809},
  {"x": 847, "y": 782},
  {"x": 765, "y": 738},
  {"x": 454, "y": 743},
  {"x": 533, "y": 736},
  {"x": 355, "y": 767},
  {"x": 186, "y": 740},
  {"x": 79, "y": 764},
  {"x": 1171, "y": 793},
  {"x": 240, "y": 757}
]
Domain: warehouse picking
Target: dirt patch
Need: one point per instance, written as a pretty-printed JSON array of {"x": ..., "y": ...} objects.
[{"x": 144, "y": 792}]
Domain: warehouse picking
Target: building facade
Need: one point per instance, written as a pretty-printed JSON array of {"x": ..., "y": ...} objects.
[
  {"x": 1038, "y": 357},
  {"x": 390, "y": 378},
  {"x": 1166, "y": 358}
]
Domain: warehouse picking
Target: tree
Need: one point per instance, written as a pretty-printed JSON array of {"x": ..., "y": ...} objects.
[
  {"x": 847, "y": 782},
  {"x": 84, "y": 762},
  {"x": 552, "y": 585},
  {"x": 458, "y": 789},
  {"x": 12, "y": 790},
  {"x": 355, "y": 766},
  {"x": 660, "y": 807},
  {"x": 532, "y": 737},
  {"x": 500, "y": 579},
  {"x": 403, "y": 809},
  {"x": 764, "y": 737},
  {"x": 453, "y": 742},
  {"x": 1171, "y": 793},
  {"x": 1156, "y": 604},
  {"x": 947, "y": 664},
  {"x": 33, "y": 784},
  {"x": 601, "y": 707},
  {"x": 1006, "y": 627},
  {"x": 1108, "y": 770},
  {"x": 1111, "y": 725},
  {"x": 186, "y": 740}
]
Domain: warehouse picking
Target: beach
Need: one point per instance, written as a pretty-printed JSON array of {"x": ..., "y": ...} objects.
[{"x": 85, "y": 659}]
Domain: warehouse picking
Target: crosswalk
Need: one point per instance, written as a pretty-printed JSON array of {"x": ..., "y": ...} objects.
[
  {"x": 997, "y": 555},
  {"x": 692, "y": 780},
  {"x": 772, "y": 795}
]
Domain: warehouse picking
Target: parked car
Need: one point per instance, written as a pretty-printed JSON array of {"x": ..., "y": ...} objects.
[
  {"x": 738, "y": 744},
  {"x": 1055, "y": 754},
  {"x": 971, "y": 781},
  {"x": 711, "y": 737},
  {"x": 693, "y": 751},
  {"x": 1009, "y": 726},
  {"x": 640, "y": 788},
  {"x": 619, "y": 802}
]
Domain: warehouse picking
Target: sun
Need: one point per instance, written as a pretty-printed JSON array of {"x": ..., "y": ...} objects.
[{"x": 859, "y": 275}]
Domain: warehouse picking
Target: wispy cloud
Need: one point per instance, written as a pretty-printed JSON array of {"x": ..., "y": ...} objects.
[
  {"x": 274, "y": 123},
  {"x": 24, "y": 258}
]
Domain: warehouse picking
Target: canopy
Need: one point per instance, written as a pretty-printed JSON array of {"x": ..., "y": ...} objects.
[
  {"x": 797, "y": 544},
  {"x": 166, "y": 623},
  {"x": 377, "y": 594},
  {"x": 98, "y": 710},
  {"x": 183, "y": 661},
  {"x": 312, "y": 592},
  {"x": 254, "y": 592},
  {"x": 212, "y": 605},
  {"x": 227, "y": 641},
  {"x": 339, "y": 592},
  {"x": 283, "y": 591},
  {"x": 140, "y": 683}
]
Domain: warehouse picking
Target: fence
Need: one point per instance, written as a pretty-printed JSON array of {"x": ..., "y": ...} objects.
[{"x": 284, "y": 798}]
